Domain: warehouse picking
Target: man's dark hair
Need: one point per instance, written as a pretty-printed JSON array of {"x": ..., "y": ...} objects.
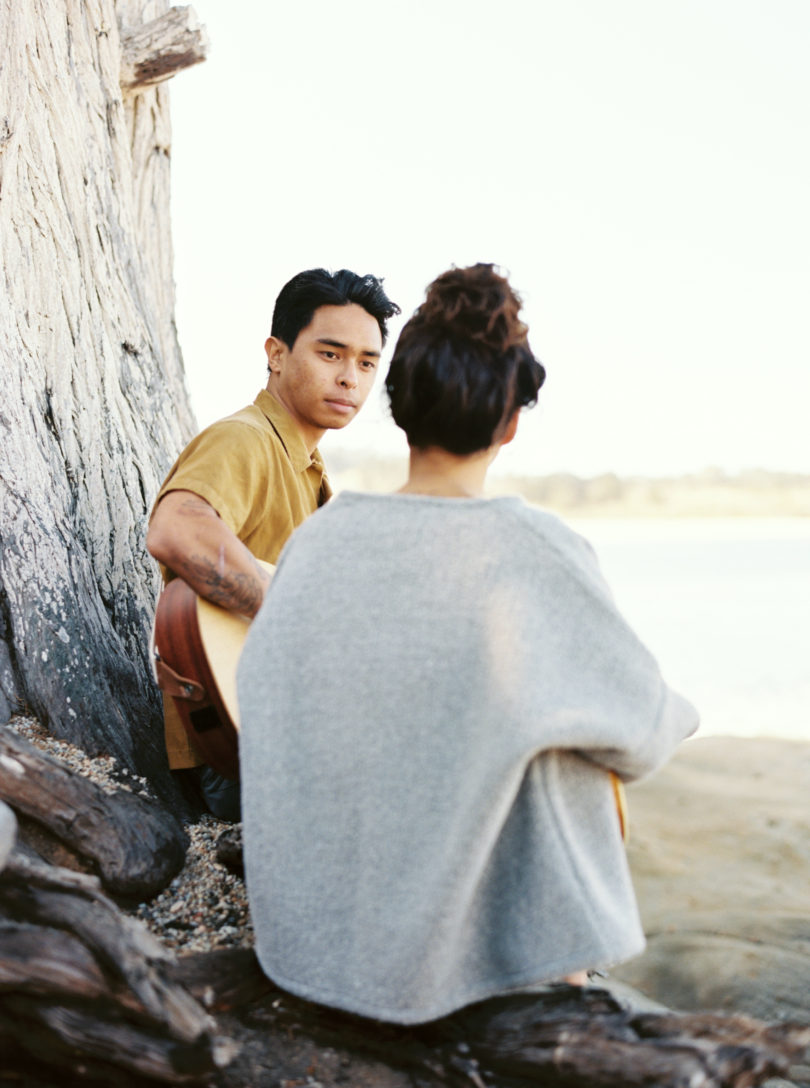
[
  {"x": 462, "y": 364},
  {"x": 305, "y": 293}
]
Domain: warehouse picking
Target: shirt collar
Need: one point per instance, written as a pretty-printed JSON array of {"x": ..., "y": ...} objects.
[{"x": 284, "y": 425}]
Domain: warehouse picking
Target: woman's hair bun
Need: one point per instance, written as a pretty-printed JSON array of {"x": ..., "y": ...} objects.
[
  {"x": 475, "y": 303},
  {"x": 462, "y": 365}
]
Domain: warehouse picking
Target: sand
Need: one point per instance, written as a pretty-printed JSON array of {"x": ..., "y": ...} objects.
[{"x": 720, "y": 854}]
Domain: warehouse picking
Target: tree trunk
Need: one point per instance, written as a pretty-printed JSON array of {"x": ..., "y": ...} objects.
[{"x": 95, "y": 406}]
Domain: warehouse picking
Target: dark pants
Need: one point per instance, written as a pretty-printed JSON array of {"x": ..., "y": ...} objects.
[{"x": 221, "y": 795}]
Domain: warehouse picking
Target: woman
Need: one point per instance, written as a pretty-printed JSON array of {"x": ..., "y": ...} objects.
[{"x": 434, "y": 698}]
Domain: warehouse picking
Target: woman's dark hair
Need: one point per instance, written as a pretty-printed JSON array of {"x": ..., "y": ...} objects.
[
  {"x": 305, "y": 293},
  {"x": 462, "y": 364}
]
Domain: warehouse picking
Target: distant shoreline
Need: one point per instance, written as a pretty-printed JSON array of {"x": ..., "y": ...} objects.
[{"x": 708, "y": 494}]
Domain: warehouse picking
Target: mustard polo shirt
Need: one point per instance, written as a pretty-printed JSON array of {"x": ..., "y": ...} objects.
[{"x": 255, "y": 470}]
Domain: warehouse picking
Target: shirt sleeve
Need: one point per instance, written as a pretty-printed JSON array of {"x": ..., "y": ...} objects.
[{"x": 231, "y": 466}]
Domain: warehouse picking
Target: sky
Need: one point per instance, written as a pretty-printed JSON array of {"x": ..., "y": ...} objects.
[{"x": 640, "y": 168}]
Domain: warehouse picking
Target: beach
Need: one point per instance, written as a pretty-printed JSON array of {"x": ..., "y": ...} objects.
[
  {"x": 720, "y": 854},
  {"x": 724, "y": 604}
]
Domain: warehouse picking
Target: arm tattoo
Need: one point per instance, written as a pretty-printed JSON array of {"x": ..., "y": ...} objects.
[{"x": 235, "y": 591}]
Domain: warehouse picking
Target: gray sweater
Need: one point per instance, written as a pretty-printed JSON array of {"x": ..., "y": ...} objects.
[{"x": 431, "y": 696}]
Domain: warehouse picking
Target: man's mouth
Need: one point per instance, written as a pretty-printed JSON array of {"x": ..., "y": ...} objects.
[{"x": 340, "y": 403}]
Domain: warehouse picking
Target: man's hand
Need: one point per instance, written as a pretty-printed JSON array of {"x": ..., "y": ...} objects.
[{"x": 189, "y": 537}]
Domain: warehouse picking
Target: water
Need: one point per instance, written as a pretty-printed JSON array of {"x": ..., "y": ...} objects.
[{"x": 725, "y": 606}]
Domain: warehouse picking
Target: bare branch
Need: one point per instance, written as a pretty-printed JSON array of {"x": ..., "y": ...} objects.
[{"x": 155, "y": 51}]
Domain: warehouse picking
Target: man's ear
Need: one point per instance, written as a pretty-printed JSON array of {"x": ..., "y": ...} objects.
[
  {"x": 274, "y": 349},
  {"x": 511, "y": 429}
]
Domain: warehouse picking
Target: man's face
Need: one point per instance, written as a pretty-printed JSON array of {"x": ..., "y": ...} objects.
[{"x": 324, "y": 379}]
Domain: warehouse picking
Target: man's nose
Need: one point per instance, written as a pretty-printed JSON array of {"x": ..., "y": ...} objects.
[{"x": 348, "y": 375}]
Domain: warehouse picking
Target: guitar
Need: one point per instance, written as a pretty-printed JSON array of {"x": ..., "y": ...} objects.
[{"x": 195, "y": 651}]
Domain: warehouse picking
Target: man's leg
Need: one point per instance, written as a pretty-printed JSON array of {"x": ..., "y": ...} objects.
[{"x": 220, "y": 794}]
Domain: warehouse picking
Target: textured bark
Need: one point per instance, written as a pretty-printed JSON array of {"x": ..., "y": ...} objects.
[
  {"x": 94, "y": 404},
  {"x": 84, "y": 989},
  {"x": 155, "y": 51},
  {"x": 564, "y": 1037}
]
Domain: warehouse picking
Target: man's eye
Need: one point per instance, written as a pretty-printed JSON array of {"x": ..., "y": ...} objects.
[
  {"x": 369, "y": 364},
  {"x": 329, "y": 354}
]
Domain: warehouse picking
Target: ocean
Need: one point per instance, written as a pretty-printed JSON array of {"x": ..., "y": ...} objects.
[{"x": 724, "y": 604}]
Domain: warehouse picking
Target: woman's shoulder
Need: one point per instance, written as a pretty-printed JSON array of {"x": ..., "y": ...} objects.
[{"x": 538, "y": 522}]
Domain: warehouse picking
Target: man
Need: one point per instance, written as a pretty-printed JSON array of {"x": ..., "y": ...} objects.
[{"x": 241, "y": 487}]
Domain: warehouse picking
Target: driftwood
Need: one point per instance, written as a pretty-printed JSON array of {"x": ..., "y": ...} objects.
[
  {"x": 84, "y": 988},
  {"x": 563, "y": 1036},
  {"x": 156, "y": 50},
  {"x": 8, "y": 830},
  {"x": 131, "y": 842}
]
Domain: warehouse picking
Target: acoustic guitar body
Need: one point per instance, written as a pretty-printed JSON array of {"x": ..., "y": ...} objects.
[{"x": 195, "y": 649}]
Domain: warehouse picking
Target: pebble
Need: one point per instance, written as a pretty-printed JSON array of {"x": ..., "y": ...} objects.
[
  {"x": 103, "y": 770},
  {"x": 205, "y": 906}
]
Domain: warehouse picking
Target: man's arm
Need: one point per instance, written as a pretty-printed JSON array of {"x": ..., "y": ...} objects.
[{"x": 188, "y": 536}]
